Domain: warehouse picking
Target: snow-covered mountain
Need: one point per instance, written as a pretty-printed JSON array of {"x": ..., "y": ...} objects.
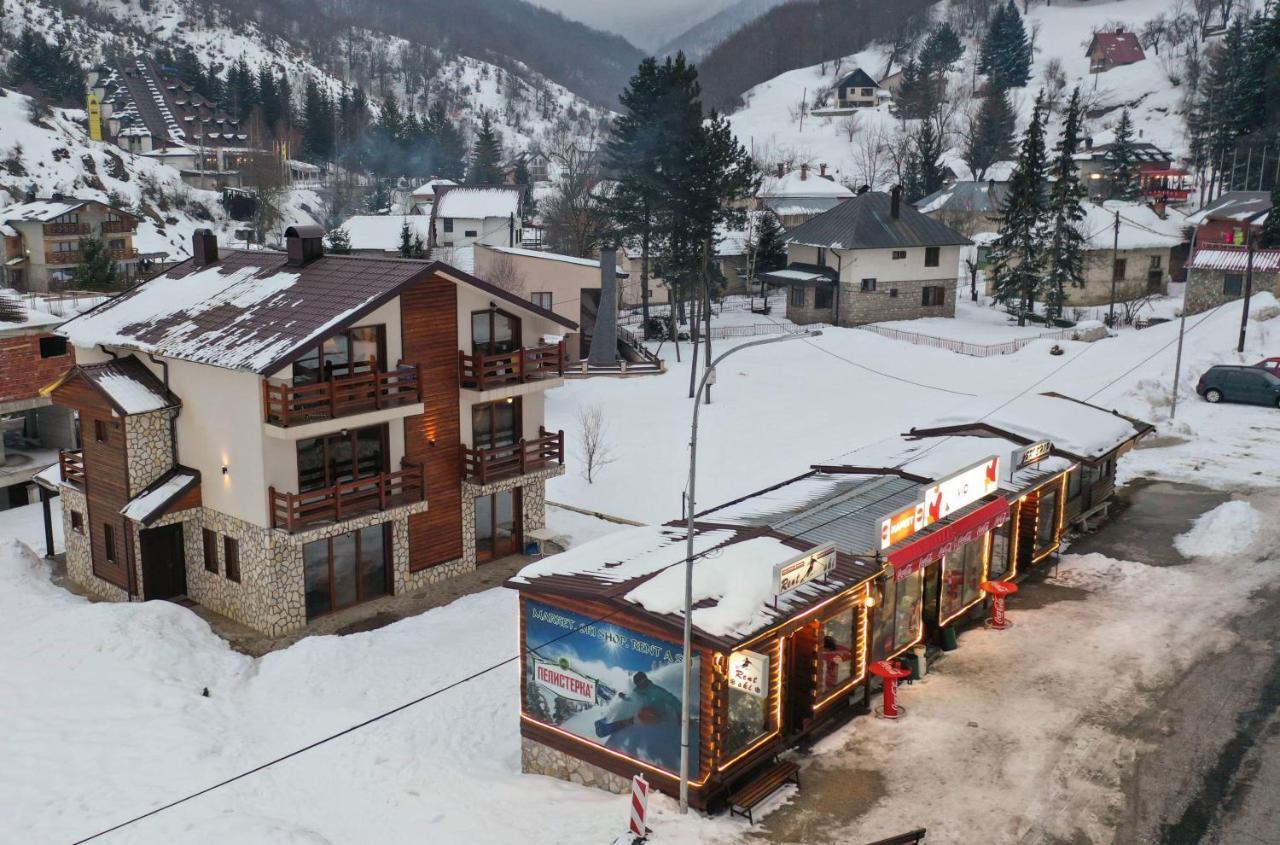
[{"x": 699, "y": 39}]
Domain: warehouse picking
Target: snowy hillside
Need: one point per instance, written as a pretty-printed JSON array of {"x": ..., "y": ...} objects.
[{"x": 776, "y": 126}]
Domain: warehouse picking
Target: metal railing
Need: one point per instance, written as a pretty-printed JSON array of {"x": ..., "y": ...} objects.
[
  {"x": 295, "y": 512},
  {"x": 286, "y": 404},
  {"x": 71, "y": 466},
  {"x": 520, "y": 458},
  {"x": 483, "y": 372},
  {"x": 977, "y": 350}
]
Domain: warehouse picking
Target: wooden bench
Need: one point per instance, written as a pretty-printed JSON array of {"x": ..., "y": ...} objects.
[
  {"x": 746, "y": 799},
  {"x": 912, "y": 838},
  {"x": 1103, "y": 509}
]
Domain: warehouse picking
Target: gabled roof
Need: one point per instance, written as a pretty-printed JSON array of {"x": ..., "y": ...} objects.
[
  {"x": 1234, "y": 259},
  {"x": 156, "y": 497},
  {"x": 857, "y": 78},
  {"x": 45, "y": 210},
  {"x": 477, "y": 203},
  {"x": 1143, "y": 151},
  {"x": 977, "y": 197},
  {"x": 1237, "y": 206},
  {"x": 806, "y": 183},
  {"x": 253, "y": 312},
  {"x": 866, "y": 222},
  {"x": 429, "y": 188},
  {"x": 125, "y": 383},
  {"x": 1118, "y": 48}
]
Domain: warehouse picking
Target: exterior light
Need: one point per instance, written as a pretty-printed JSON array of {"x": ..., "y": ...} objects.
[
  {"x": 869, "y": 601},
  {"x": 224, "y": 469}
]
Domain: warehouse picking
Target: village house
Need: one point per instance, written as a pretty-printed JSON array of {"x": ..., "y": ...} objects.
[
  {"x": 856, "y": 90},
  {"x": 1097, "y": 161},
  {"x": 971, "y": 208},
  {"x": 424, "y": 196},
  {"x": 280, "y": 435},
  {"x": 1150, "y": 252},
  {"x": 1109, "y": 50},
  {"x": 1228, "y": 220},
  {"x": 464, "y": 215},
  {"x": 799, "y": 195},
  {"x": 43, "y": 240},
  {"x": 1218, "y": 274},
  {"x": 380, "y": 235},
  {"x": 870, "y": 259}
]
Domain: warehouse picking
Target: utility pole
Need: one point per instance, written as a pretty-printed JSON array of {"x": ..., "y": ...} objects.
[
  {"x": 1248, "y": 285},
  {"x": 1115, "y": 255},
  {"x": 1177, "y": 363}
]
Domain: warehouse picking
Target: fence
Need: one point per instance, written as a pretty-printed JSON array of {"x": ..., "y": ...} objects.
[
  {"x": 64, "y": 304},
  {"x": 758, "y": 330},
  {"x": 964, "y": 347},
  {"x": 729, "y": 305}
]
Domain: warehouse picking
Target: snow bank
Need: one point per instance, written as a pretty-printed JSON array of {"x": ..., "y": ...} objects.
[{"x": 1232, "y": 528}]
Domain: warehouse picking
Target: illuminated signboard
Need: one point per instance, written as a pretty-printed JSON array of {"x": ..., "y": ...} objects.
[
  {"x": 899, "y": 526},
  {"x": 941, "y": 500},
  {"x": 814, "y": 565},
  {"x": 1029, "y": 455},
  {"x": 749, "y": 672}
]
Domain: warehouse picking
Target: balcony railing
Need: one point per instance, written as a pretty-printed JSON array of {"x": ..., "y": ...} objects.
[
  {"x": 288, "y": 405},
  {"x": 117, "y": 227},
  {"x": 521, "y": 458},
  {"x": 66, "y": 228},
  {"x": 484, "y": 372},
  {"x": 71, "y": 257},
  {"x": 124, "y": 254},
  {"x": 295, "y": 512},
  {"x": 71, "y": 465}
]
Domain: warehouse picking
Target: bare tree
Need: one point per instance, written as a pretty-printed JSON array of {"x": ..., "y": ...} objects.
[
  {"x": 1155, "y": 31},
  {"x": 593, "y": 440},
  {"x": 850, "y": 126},
  {"x": 898, "y": 149},
  {"x": 574, "y": 216},
  {"x": 869, "y": 156},
  {"x": 504, "y": 273}
]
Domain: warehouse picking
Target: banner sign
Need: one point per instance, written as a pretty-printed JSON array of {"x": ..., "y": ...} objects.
[
  {"x": 814, "y": 565},
  {"x": 1029, "y": 455},
  {"x": 94, "y": 109},
  {"x": 606, "y": 684},
  {"x": 749, "y": 672},
  {"x": 964, "y": 488},
  {"x": 899, "y": 526}
]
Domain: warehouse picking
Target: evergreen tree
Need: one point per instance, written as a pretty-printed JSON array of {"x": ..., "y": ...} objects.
[
  {"x": 411, "y": 245},
  {"x": 1211, "y": 123},
  {"x": 1270, "y": 236},
  {"x": 486, "y": 156},
  {"x": 269, "y": 102},
  {"x": 97, "y": 269},
  {"x": 1005, "y": 56},
  {"x": 46, "y": 68},
  {"x": 942, "y": 49},
  {"x": 384, "y": 153},
  {"x": 990, "y": 137},
  {"x": 241, "y": 89},
  {"x": 771, "y": 250},
  {"x": 339, "y": 241},
  {"x": 919, "y": 93},
  {"x": 1017, "y": 254},
  {"x": 1064, "y": 251},
  {"x": 924, "y": 164},
  {"x": 317, "y": 124},
  {"x": 448, "y": 147},
  {"x": 1122, "y": 169}
]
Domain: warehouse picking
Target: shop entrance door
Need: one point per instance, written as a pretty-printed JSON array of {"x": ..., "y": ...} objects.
[
  {"x": 797, "y": 683},
  {"x": 932, "y": 599},
  {"x": 164, "y": 568}
]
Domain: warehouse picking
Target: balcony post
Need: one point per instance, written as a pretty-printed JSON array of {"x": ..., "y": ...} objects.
[
  {"x": 560, "y": 445},
  {"x": 382, "y": 492},
  {"x": 333, "y": 399},
  {"x": 417, "y": 379},
  {"x": 376, "y": 378},
  {"x": 524, "y": 453},
  {"x": 271, "y": 504}
]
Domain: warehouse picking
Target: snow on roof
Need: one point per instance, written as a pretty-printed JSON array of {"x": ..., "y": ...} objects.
[
  {"x": 1118, "y": 48},
  {"x": 40, "y": 210},
  {"x": 428, "y": 189},
  {"x": 49, "y": 477},
  {"x": 1140, "y": 226},
  {"x": 132, "y": 395},
  {"x": 1235, "y": 260},
  {"x": 802, "y": 183},
  {"x": 797, "y": 275},
  {"x": 623, "y": 555},
  {"x": 160, "y": 493},
  {"x": 478, "y": 203},
  {"x": 935, "y": 458},
  {"x": 1235, "y": 205},
  {"x": 965, "y": 196},
  {"x": 799, "y": 206},
  {"x": 550, "y": 256},
  {"x": 382, "y": 231},
  {"x": 768, "y": 506},
  {"x": 8, "y": 231}
]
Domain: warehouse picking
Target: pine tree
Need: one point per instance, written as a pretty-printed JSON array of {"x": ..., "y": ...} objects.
[
  {"x": 486, "y": 156},
  {"x": 771, "y": 250},
  {"x": 990, "y": 138},
  {"x": 1270, "y": 236},
  {"x": 97, "y": 269},
  {"x": 339, "y": 241},
  {"x": 241, "y": 89},
  {"x": 384, "y": 154},
  {"x": 317, "y": 124},
  {"x": 1064, "y": 255},
  {"x": 925, "y": 163},
  {"x": 1122, "y": 169},
  {"x": 1017, "y": 254},
  {"x": 449, "y": 148},
  {"x": 1211, "y": 123},
  {"x": 411, "y": 245},
  {"x": 46, "y": 68},
  {"x": 942, "y": 49},
  {"x": 1006, "y": 51},
  {"x": 991, "y": 43},
  {"x": 918, "y": 94}
]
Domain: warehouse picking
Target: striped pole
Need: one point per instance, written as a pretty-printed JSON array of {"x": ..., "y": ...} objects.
[{"x": 639, "y": 804}]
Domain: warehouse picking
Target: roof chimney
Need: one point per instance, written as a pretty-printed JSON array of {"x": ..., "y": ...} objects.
[
  {"x": 204, "y": 248},
  {"x": 1088, "y": 142},
  {"x": 804, "y": 172},
  {"x": 304, "y": 243},
  {"x": 895, "y": 202},
  {"x": 864, "y": 189},
  {"x": 604, "y": 335},
  {"x": 822, "y": 170},
  {"x": 782, "y": 170}
]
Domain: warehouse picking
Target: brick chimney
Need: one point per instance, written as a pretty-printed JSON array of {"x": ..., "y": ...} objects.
[
  {"x": 895, "y": 202},
  {"x": 822, "y": 170},
  {"x": 782, "y": 170},
  {"x": 804, "y": 172},
  {"x": 304, "y": 244},
  {"x": 204, "y": 248}
]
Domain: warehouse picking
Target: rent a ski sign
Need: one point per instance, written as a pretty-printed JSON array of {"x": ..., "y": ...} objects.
[
  {"x": 564, "y": 682},
  {"x": 809, "y": 567}
]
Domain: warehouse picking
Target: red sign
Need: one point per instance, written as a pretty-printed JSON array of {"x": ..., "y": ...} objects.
[{"x": 949, "y": 538}]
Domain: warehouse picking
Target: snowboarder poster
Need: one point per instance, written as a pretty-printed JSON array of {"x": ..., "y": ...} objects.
[{"x": 607, "y": 684}]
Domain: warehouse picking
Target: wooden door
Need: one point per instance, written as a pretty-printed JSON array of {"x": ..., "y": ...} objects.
[
  {"x": 164, "y": 567},
  {"x": 498, "y": 525},
  {"x": 800, "y": 666}
]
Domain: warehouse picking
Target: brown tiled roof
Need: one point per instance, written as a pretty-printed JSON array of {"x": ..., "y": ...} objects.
[
  {"x": 127, "y": 385},
  {"x": 1118, "y": 48}
]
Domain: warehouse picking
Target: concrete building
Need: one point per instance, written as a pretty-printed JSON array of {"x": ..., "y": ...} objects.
[
  {"x": 464, "y": 215},
  {"x": 279, "y": 436},
  {"x": 801, "y": 194},
  {"x": 1218, "y": 274},
  {"x": 870, "y": 259},
  {"x": 43, "y": 240}
]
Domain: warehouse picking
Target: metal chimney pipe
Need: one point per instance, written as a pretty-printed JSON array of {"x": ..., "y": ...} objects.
[{"x": 604, "y": 337}]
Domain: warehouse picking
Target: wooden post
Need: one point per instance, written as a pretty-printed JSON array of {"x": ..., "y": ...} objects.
[
  {"x": 382, "y": 492},
  {"x": 560, "y": 445},
  {"x": 333, "y": 399},
  {"x": 524, "y": 451},
  {"x": 337, "y": 502}
]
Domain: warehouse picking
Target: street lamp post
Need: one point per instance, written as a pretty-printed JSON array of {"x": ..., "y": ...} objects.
[{"x": 708, "y": 378}]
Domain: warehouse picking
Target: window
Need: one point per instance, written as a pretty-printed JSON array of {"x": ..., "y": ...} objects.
[
  {"x": 1233, "y": 284},
  {"x": 748, "y": 715},
  {"x": 61, "y": 276},
  {"x": 100, "y": 431},
  {"x": 837, "y": 651},
  {"x": 1073, "y": 484},
  {"x": 998, "y": 565},
  {"x": 116, "y": 244},
  {"x": 932, "y": 256},
  {"x": 497, "y": 524},
  {"x": 65, "y": 247},
  {"x": 867, "y": 92},
  {"x": 494, "y": 332},
  {"x": 77, "y": 521},
  {"x": 1119, "y": 268},
  {"x": 897, "y": 615},
  {"x": 1156, "y": 262},
  {"x": 542, "y": 299},
  {"x": 899, "y": 254},
  {"x": 345, "y": 570},
  {"x": 797, "y": 296},
  {"x": 470, "y": 233},
  {"x": 823, "y": 296},
  {"x": 868, "y": 285},
  {"x": 1047, "y": 520},
  {"x": 231, "y": 555},
  {"x": 822, "y": 257},
  {"x": 342, "y": 456},
  {"x": 53, "y": 347},
  {"x": 69, "y": 217},
  {"x": 113, "y": 217},
  {"x": 495, "y": 424},
  {"x": 354, "y": 351},
  {"x": 109, "y": 541},
  {"x": 961, "y": 575},
  {"x": 933, "y": 295},
  {"x": 448, "y": 224},
  {"x": 210, "y": 540}
]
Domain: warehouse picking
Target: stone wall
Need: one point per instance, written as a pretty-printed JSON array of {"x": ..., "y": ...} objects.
[
  {"x": 858, "y": 307},
  {"x": 539, "y": 759},
  {"x": 149, "y": 441},
  {"x": 79, "y": 556},
  {"x": 1205, "y": 288},
  {"x": 807, "y": 314}
]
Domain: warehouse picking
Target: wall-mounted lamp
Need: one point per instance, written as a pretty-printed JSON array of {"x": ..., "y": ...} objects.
[
  {"x": 869, "y": 601},
  {"x": 431, "y": 441},
  {"x": 224, "y": 469}
]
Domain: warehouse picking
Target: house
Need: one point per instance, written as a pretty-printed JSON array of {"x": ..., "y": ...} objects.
[
  {"x": 869, "y": 259},
  {"x": 280, "y": 435},
  {"x": 465, "y": 215},
  {"x": 42, "y": 240},
  {"x": 1090, "y": 436},
  {"x": 1218, "y": 274},
  {"x": 381, "y": 234},
  {"x": 1228, "y": 220},
  {"x": 1108, "y": 50},
  {"x": 423, "y": 196},
  {"x": 799, "y": 195},
  {"x": 1150, "y": 252},
  {"x": 968, "y": 207},
  {"x": 1097, "y": 161},
  {"x": 856, "y": 90}
]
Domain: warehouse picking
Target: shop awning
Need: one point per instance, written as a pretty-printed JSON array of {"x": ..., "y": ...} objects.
[{"x": 932, "y": 544}]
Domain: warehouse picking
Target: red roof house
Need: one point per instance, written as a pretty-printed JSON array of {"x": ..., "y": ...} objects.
[{"x": 1113, "y": 49}]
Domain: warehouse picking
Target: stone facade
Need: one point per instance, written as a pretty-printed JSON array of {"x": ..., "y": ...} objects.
[
  {"x": 539, "y": 759},
  {"x": 1207, "y": 288},
  {"x": 149, "y": 438},
  {"x": 79, "y": 555},
  {"x": 892, "y": 301}
]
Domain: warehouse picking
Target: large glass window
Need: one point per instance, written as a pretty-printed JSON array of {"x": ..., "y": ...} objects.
[
  {"x": 494, "y": 332},
  {"x": 495, "y": 424},
  {"x": 1046, "y": 520},
  {"x": 497, "y": 533},
  {"x": 897, "y": 615},
  {"x": 342, "y": 456},
  {"x": 345, "y": 570},
  {"x": 349, "y": 352},
  {"x": 837, "y": 651},
  {"x": 961, "y": 577},
  {"x": 998, "y": 567},
  {"x": 748, "y": 719}
]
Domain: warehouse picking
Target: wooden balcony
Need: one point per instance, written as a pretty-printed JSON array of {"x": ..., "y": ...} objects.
[
  {"x": 295, "y": 512},
  {"x": 286, "y": 405},
  {"x": 484, "y": 466},
  {"x": 129, "y": 254},
  {"x": 528, "y": 363},
  {"x": 72, "y": 257},
  {"x": 71, "y": 465},
  {"x": 117, "y": 227},
  {"x": 60, "y": 229}
]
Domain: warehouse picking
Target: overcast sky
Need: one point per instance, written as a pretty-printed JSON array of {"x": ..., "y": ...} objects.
[{"x": 646, "y": 23}]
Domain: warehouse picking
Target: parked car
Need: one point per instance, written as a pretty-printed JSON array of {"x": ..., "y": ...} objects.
[
  {"x": 1270, "y": 365},
  {"x": 1232, "y": 383}
]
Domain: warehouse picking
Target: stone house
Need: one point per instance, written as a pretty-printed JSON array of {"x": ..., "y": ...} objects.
[
  {"x": 1152, "y": 250},
  {"x": 870, "y": 259},
  {"x": 278, "y": 436},
  {"x": 1218, "y": 274},
  {"x": 42, "y": 240}
]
